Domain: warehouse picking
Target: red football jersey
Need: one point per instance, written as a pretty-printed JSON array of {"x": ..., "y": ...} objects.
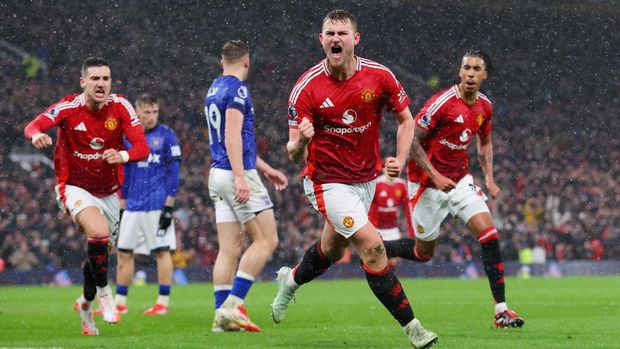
[
  {"x": 451, "y": 124},
  {"x": 83, "y": 136},
  {"x": 346, "y": 116},
  {"x": 388, "y": 199}
]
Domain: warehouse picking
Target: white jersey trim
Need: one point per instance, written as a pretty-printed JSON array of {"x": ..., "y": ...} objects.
[
  {"x": 311, "y": 74},
  {"x": 372, "y": 64},
  {"x": 441, "y": 101}
]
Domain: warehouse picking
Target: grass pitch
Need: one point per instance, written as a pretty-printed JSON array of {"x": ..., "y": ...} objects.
[{"x": 571, "y": 312}]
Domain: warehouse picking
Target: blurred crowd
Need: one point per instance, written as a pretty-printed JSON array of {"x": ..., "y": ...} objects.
[{"x": 557, "y": 153}]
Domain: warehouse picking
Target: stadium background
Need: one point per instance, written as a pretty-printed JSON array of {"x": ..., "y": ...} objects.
[{"x": 555, "y": 125}]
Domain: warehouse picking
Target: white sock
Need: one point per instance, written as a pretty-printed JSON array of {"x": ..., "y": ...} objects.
[
  {"x": 120, "y": 300},
  {"x": 232, "y": 302},
  {"x": 104, "y": 291},
  {"x": 500, "y": 307},
  {"x": 163, "y": 300},
  {"x": 290, "y": 281}
]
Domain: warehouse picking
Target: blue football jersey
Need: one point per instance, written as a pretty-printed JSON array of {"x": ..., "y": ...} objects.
[
  {"x": 229, "y": 92},
  {"x": 147, "y": 183}
]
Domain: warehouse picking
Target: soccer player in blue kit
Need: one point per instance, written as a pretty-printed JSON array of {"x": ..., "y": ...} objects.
[
  {"x": 147, "y": 197},
  {"x": 242, "y": 204}
]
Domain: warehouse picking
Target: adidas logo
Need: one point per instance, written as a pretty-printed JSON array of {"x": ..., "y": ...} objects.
[
  {"x": 80, "y": 127},
  {"x": 459, "y": 119},
  {"x": 327, "y": 103}
]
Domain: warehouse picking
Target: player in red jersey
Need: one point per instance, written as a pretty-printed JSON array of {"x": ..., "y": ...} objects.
[
  {"x": 87, "y": 161},
  {"x": 335, "y": 112},
  {"x": 444, "y": 128},
  {"x": 390, "y": 195}
]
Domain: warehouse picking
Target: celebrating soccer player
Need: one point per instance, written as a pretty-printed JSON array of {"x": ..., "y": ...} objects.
[
  {"x": 87, "y": 161},
  {"x": 147, "y": 198},
  {"x": 334, "y": 116},
  {"x": 237, "y": 191},
  {"x": 442, "y": 185}
]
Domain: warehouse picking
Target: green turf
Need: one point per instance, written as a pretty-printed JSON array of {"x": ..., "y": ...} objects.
[{"x": 571, "y": 312}]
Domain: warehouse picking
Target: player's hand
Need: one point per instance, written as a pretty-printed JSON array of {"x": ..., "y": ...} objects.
[
  {"x": 277, "y": 178},
  {"x": 443, "y": 183},
  {"x": 393, "y": 166},
  {"x": 112, "y": 156},
  {"x": 493, "y": 189},
  {"x": 165, "y": 219},
  {"x": 242, "y": 192},
  {"x": 41, "y": 140},
  {"x": 306, "y": 131}
]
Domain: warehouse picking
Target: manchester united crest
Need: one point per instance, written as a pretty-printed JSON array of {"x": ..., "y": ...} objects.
[
  {"x": 348, "y": 222},
  {"x": 420, "y": 229},
  {"x": 480, "y": 119},
  {"x": 111, "y": 124},
  {"x": 368, "y": 95}
]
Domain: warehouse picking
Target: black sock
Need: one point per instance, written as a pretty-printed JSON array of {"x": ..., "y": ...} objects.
[
  {"x": 494, "y": 267},
  {"x": 90, "y": 289},
  {"x": 386, "y": 287},
  {"x": 403, "y": 248},
  {"x": 98, "y": 260},
  {"x": 313, "y": 264}
]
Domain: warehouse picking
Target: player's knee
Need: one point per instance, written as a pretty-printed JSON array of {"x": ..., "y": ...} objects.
[{"x": 374, "y": 253}]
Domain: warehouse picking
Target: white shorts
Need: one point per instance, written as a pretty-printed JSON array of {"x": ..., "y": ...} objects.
[
  {"x": 433, "y": 205},
  {"x": 389, "y": 234},
  {"x": 73, "y": 199},
  {"x": 139, "y": 232},
  {"x": 222, "y": 192},
  {"x": 343, "y": 205}
]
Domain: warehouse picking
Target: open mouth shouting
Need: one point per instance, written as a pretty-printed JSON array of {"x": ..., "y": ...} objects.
[
  {"x": 336, "y": 51},
  {"x": 100, "y": 93}
]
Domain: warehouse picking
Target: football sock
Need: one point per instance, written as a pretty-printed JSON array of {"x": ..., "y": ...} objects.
[
  {"x": 386, "y": 287},
  {"x": 104, "y": 291},
  {"x": 121, "y": 295},
  {"x": 493, "y": 264},
  {"x": 97, "y": 251},
  {"x": 404, "y": 248},
  {"x": 164, "y": 295},
  {"x": 500, "y": 307},
  {"x": 241, "y": 285},
  {"x": 313, "y": 264},
  {"x": 220, "y": 293},
  {"x": 90, "y": 290}
]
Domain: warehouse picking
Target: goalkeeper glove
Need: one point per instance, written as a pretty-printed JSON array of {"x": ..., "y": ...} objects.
[{"x": 166, "y": 217}]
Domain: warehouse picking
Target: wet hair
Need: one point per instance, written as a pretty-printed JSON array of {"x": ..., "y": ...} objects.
[
  {"x": 234, "y": 50},
  {"x": 340, "y": 16},
  {"x": 93, "y": 62},
  {"x": 472, "y": 52},
  {"x": 146, "y": 99}
]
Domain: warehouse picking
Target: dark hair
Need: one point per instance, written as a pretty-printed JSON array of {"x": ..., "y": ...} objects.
[
  {"x": 146, "y": 99},
  {"x": 234, "y": 50},
  {"x": 340, "y": 16},
  {"x": 472, "y": 52},
  {"x": 93, "y": 62}
]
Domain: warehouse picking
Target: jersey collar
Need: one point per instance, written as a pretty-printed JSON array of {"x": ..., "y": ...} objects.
[{"x": 358, "y": 65}]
